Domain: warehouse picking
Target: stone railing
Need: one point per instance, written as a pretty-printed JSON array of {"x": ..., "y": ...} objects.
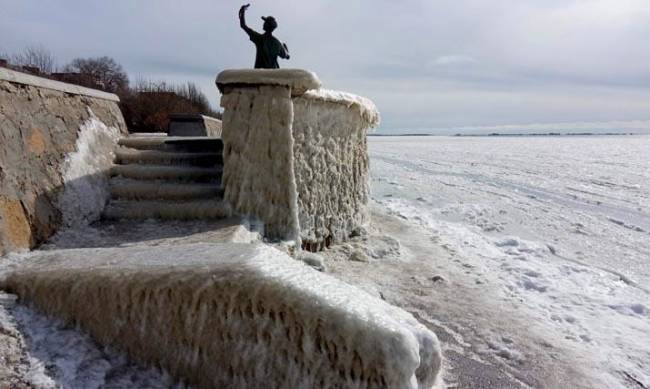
[
  {"x": 56, "y": 143},
  {"x": 295, "y": 155}
]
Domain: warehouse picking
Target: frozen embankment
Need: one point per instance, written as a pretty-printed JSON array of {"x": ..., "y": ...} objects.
[{"x": 231, "y": 315}]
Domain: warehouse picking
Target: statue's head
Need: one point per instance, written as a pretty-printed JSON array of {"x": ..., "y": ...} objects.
[{"x": 269, "y": 23}]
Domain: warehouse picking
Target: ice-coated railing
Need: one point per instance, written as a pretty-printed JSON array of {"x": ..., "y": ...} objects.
[
  {"x": 295, "y": 155},
  {"x": 229, "y": 315}
]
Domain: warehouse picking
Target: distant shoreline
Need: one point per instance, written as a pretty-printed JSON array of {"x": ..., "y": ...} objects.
[{"x": 496, "y": 134}]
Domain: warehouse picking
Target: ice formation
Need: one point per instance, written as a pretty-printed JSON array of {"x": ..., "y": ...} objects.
[
  {"x": 296, "y": 158},
  {"x": 165, "y": 172},
  {"x": 84, "y": 173},
  {"x": 160, "y": 209},
  {"x": 297, "y": 80},
  {"x": 232, "y": 315},
  {"x": 529, "y": 223},
  {"x": 331, "y": 163},
  {"x": 156, "y": 189},
  {"x": 258, "y": 157}
]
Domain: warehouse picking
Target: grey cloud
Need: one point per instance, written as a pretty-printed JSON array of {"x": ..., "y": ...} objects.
[{"x": 428, "y": 64}]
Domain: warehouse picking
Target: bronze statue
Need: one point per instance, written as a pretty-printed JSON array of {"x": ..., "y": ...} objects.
[{"x": 269, "y": 48}]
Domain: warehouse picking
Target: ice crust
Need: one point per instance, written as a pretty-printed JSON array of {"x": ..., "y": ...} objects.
[
  {"x": 367, "y": 108},
  {"x": 297, "y": 162},
  {"x": 298, "y": 80},
  {"x": 232, "y": 315},
  {"x": 529, "y": 223},
  {"x": 84, "y": 173},
  {"x": 258, "y": 169},
  {"x": 331, "y": 165}
]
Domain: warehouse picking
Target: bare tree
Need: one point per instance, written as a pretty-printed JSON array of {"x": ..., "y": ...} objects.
[
  {"x": 36, "y": 56},
  {"x": 148, "y": 107},
  {"x": 104, "y": 71}
]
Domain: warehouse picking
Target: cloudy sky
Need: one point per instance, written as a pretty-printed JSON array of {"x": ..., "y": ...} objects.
[{"x": 430, "y": 65}]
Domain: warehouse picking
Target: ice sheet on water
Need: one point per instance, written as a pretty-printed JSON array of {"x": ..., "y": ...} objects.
[{"x": 568, "y": 259}]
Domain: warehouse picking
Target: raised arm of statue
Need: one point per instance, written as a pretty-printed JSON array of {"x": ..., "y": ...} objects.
[{"x": 242, "y": 19}]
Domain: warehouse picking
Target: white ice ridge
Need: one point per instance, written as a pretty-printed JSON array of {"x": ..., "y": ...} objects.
[
  {"x": 298, "y": 80},
  {"x": 232, "y": 315},
  {"x": 85, "y": 173},
  {"x": 367, "y": 108}
]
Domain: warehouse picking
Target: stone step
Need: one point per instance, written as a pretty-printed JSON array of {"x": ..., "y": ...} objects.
[
  {"x": 170, "y": 210},
  {"x": 122, "y": 188},
  {"x": 167, "y": 172},
  {"x": 126, "y": 156},
  {"x": 173, "y": 143}
]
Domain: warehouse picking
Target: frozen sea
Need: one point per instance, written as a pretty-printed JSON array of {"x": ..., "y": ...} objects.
[{"x": 557, "y": 226}]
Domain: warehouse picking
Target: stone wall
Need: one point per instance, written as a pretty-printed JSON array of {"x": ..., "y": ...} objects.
[
  {"x": 296, "y": 155},
  {"x": 53, "y": 136}
]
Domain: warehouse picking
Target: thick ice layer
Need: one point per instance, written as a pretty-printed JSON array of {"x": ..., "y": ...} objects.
[
  {"x": 85, "y": 173},
  {"x": 298, "y": 80},
  {"x": 556, "y": 227},
  {"x": 297, "y": 161},
  {"x": 125, "y": 188},
  {"x": 171, "y": 210},
  {"x": 234, "y": 316},
  {"x": 367, "y": 108},
  {"x": 258, "y": 157},
  {"x": 154, "y": 172},
  {"x": 331, "y": 164}
]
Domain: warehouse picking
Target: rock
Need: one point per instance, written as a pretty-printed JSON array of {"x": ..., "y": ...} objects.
[
  {"x": 312, "y": 259},
  {"x": 8, "y": 300},
  {"x": 359, "y": 256},
  {"x": 438, "y": 278}
]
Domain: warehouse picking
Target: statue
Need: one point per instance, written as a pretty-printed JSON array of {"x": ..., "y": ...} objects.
[{"x": 269, "y": 48}]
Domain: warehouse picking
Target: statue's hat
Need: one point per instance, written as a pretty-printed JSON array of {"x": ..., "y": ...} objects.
[{"x": 271, "y": 20}]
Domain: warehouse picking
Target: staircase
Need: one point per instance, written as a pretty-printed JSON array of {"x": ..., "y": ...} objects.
[{"x": 160, "y": 177}]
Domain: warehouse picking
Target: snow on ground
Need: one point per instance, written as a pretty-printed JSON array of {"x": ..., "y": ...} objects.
[
  {"x": 51, "y": 354},
  {"x": 557, "y": 226}
]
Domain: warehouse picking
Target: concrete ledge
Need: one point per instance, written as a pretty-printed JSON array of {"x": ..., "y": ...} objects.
[
  {"x": 232, "y": 315},
  {"x": 28, "y": 79},
  {"x": 184, "y": 124},
  {"x": 298, "y": 80}
]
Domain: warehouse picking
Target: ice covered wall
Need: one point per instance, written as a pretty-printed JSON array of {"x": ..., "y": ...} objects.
[
  {"x": 331, "y": 164},
  {"x": 258, "y": 161},
  {"x": 295, "y": 154},
  {"x": 86, "y": 191},
  {"x": 41, "y": 123},
  {"x": 232, "y": 315}
]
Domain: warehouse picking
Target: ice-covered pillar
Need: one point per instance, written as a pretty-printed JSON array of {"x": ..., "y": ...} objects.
[{"x": 295, "y": 156}]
